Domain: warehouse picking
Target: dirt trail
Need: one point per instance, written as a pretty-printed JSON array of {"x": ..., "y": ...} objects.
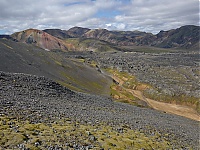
[{"x": 181, "y": 110}]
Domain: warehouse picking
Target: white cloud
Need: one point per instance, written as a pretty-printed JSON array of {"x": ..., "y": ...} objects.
[
  {"x": 108, "y": 24},
  {"x": 153, "y": 15},
  {"x": 150, "y": 16},
  {"x": 115, "y": 26}
]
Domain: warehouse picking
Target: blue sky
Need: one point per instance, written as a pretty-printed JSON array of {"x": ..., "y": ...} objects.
[
  {"x": 107, "y": 13},
  {"x": 144, "y": 15},
  {"x": 2, "y": 31}
]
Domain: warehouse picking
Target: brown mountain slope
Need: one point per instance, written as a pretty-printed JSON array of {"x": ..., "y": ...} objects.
[
  {"x": 185, "y": 37},
  {"x": 40, "y": 39}
]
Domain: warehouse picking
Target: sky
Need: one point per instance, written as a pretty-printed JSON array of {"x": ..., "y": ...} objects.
[{"x": 129, "y": 15}]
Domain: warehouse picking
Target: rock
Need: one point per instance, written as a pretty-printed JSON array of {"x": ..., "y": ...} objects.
[
  {"x": 92, "y": 138},
  {"x": 37, "y": 144}
]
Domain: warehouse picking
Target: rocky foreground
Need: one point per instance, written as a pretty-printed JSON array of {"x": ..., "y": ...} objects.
[{"x": 27, "y": 101}]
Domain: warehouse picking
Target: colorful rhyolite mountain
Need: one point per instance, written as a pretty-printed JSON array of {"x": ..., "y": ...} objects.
[{"x": 40, "y": 39}]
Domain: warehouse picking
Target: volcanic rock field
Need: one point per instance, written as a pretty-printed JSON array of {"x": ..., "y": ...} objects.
[{"x": 40, "y": 100}]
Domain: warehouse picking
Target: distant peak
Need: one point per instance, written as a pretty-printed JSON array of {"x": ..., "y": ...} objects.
[
  {"x": 76, "y": 27},
  {"x": 31, "y": 29}
]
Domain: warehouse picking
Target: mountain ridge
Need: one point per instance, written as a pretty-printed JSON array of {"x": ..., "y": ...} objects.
[{"x": 185, "y": 37}]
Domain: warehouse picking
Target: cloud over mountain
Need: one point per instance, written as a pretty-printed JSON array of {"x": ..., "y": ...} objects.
[{"x": 150, "y": 16}]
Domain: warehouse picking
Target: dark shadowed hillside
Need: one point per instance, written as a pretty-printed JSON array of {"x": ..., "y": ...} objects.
[
  {"x": 61, "y": 34},
  {"x": 77, "y": 31},
  {"x": 183, "y": 37},
  {"x": 26, "y": 58}
]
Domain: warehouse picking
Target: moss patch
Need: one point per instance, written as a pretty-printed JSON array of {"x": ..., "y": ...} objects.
[{"x": 40, "y": 136}]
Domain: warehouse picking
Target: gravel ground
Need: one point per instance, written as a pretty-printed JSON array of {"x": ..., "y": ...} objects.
[{"x": 39, "y": 99}]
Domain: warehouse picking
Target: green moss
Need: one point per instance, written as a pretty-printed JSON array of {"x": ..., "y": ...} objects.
[
  {"x": 14, "y": 139},
  {"x": 122, "y": 93},
  {"x": 58, "y": 63},
  {"x": 70, "y": 86},
  {"x": 30, "y": 127},
  {"x": 65, "y": 130},
  {"x": 93, "y": 64},
  {"x": 85, "y": 85}
]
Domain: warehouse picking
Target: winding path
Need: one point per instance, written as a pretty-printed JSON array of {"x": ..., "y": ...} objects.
[{"x": 180, "y": 110}]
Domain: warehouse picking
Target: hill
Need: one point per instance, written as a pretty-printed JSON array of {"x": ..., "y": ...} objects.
[
  {"x": 183, "y": 37},
  {"x": 25, "y": 58},
  {"x": 40, "y": 39}
]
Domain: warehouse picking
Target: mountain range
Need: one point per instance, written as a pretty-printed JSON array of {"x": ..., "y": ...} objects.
[
  {"x": 183, "y": 37},
  {"x": 81, "y": 39}
]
